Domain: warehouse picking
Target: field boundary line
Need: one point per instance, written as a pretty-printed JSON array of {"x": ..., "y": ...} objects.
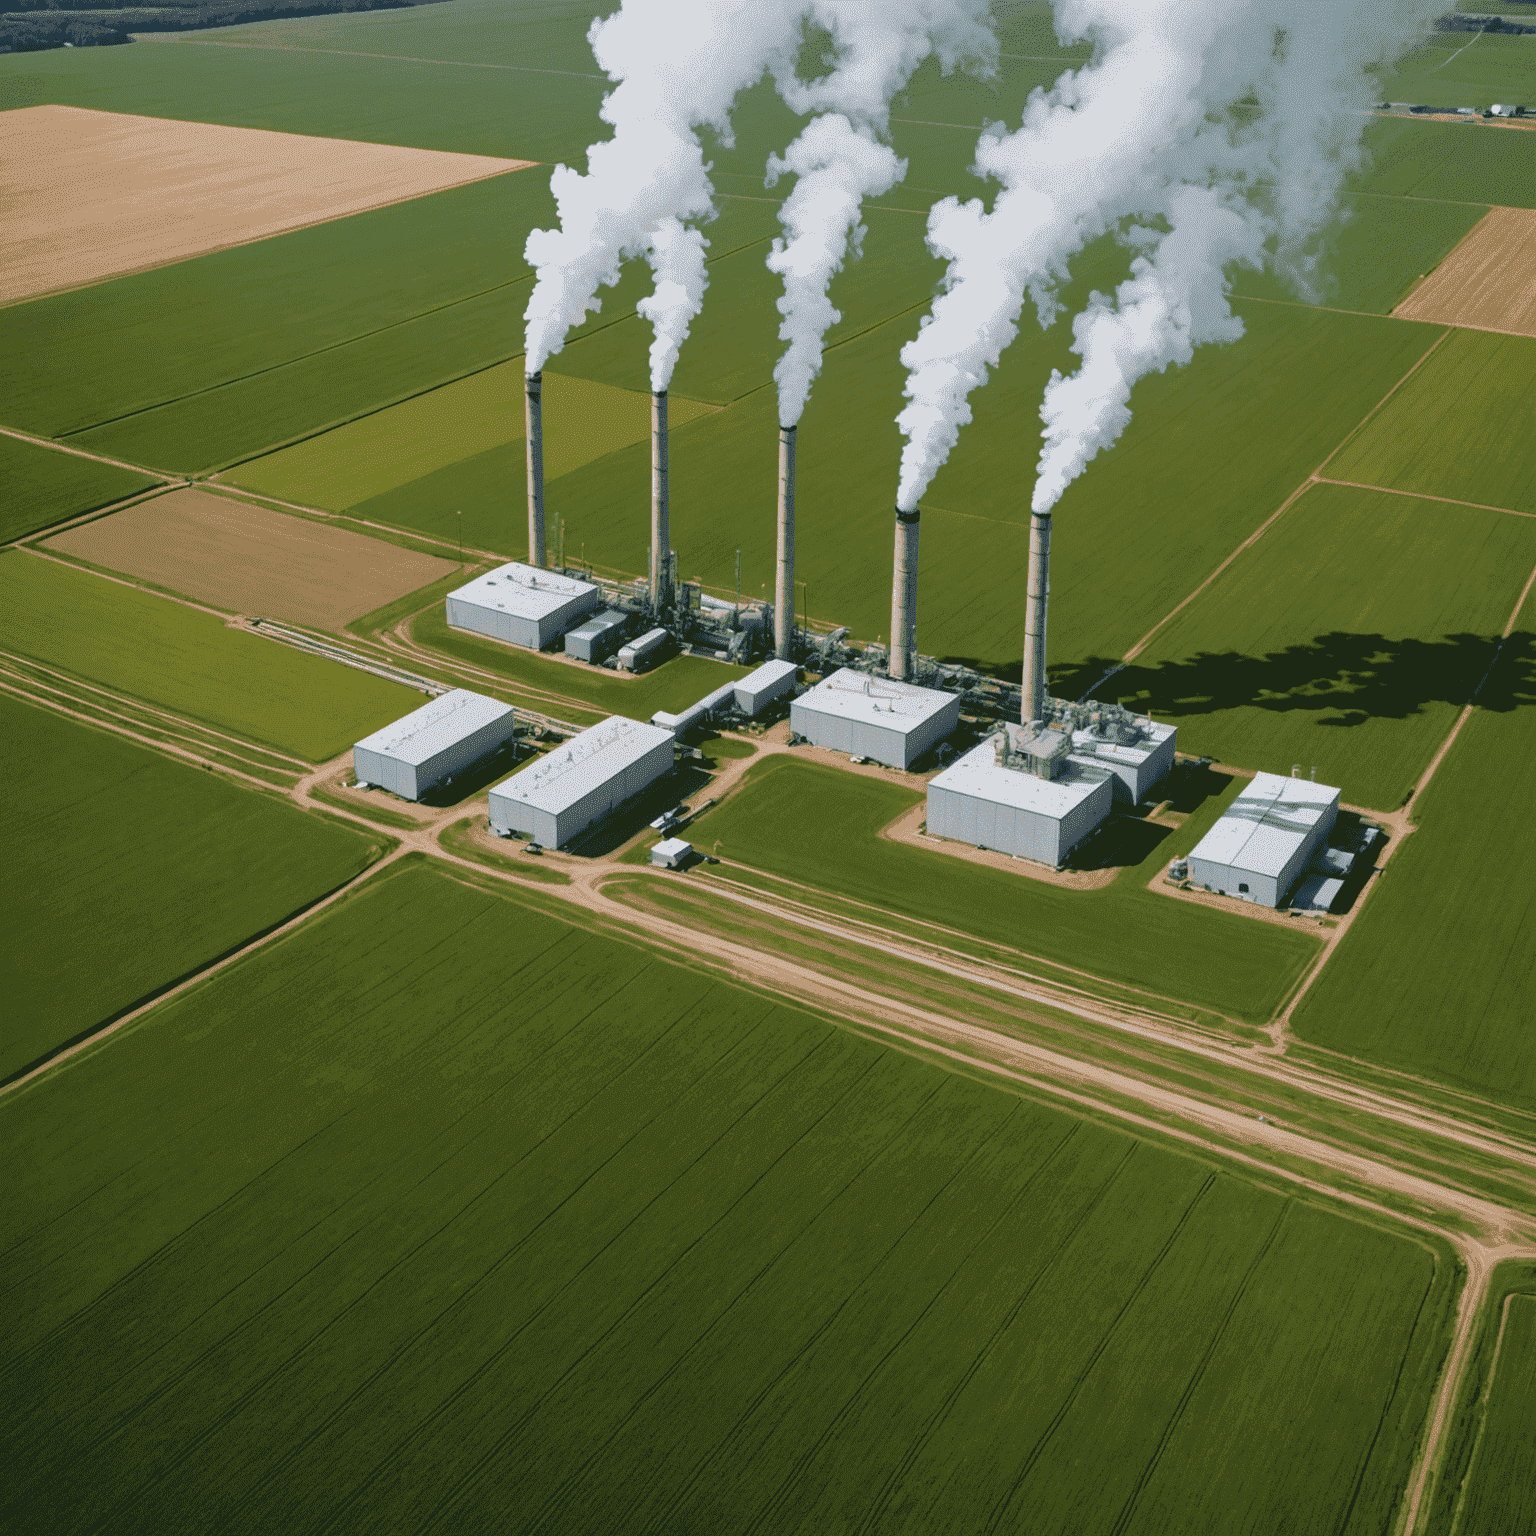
[
  {"x": 85, "y": 453},
  {"x": 222, "y": 962},
  {"x": 1482, "y": 1420},
  {"x": 353, "y": 53},
  {"x": 292, "y": 229},
  {"x": 1454, "y": 501},
  {"x": 1314, "y": 478},
  {"x": 221, "y": 614},
  {"x": 80, "y": 519}
]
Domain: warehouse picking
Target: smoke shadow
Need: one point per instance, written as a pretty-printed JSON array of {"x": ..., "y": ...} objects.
[{"x": 1344, "y": 678}]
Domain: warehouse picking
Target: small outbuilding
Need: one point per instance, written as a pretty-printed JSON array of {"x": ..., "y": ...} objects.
[
  {"x": 560, "y": 796},
  {"x": 443, "y": 737},
  {"x": 522, "y": 605},
  {"x": 673, "y": 853},
  {"x": 1021, "y": 793},
  {"x": 595, "y": 639},
  {"x": 760, "y": 687},
  {"x": 875, "y": 717},
  {"x": 1265, "y": 839},
  {"x": 644, "y": 652}
]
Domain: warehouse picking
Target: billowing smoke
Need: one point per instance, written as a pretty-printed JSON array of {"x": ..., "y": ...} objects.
[
  {"x": 839, "y": 159},
  {"x": 680, "y": 65},
  {"x": 1204, "y": 133}
]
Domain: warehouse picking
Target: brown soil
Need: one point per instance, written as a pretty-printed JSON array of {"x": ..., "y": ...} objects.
[
  {"x": 250, "y": 559},
  {"x": 97, "y": 194},
  {"x": 1488, "y": 282}
]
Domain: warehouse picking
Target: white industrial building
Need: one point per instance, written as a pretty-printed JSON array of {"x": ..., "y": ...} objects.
[
  {"x": 561, "y": 795},
  {"x": 874, "y": 717},
  {"x": 1021, "y": 792},
  {"x": 1265, "y": 839},
  {"x": 1135, "y": 750},
  {"x": 522, "y": 605},
  {"x": 443, "y": 737},
  {"x": 594, "y": 639},
  {"x": 760, "y": 687},
  {"x": 644, "y": 652}
]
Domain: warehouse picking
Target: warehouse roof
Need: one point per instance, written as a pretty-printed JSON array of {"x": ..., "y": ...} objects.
[
  {"x": 437, "y": 725},
  {"x": 766, "y": 676},
  {"x": 1262, "y": 829},
  {"x": 893, "y": 706},
  {"x": 980, "y": 774},
  {"x": 524, "y": 591},
  {"x": 1093, "y": 744},
  {"x": 562, "y": 778}
]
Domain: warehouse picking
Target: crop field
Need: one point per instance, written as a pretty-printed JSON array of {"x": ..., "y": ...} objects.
[
  {"x": 44, "y": 486},
  {"x": 126, "y": 870},
  {"x": 1437, "y": 975},
  {"x": 1348, "y": 639},
  {"x": 360, "y": 1234},
  {"x": 166, "y": 653},
  {"x": 1489, "y": 281},
  {"x": 252, "y": 560},
  {"x": 817, "y": 825},
  {"x": 1501, "y": 1491},
  {"x": 1455, "y": 428},
  {"x": 482, "y": 414},
  {"x": 1455, "y": 162},
  {"x": 227, "y": 186},
  {"x": 1460, "y": 69},
  {"x": 672, "y": 686}
]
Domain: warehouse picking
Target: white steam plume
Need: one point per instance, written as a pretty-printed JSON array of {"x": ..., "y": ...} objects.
[
  {"x": 839, "y": 159},
  {"x": 1162, "y": 125},
  {"x": 679, "y": 64}
]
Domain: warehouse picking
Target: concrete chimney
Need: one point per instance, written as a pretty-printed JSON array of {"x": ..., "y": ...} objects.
[
  {"x": 904, "y": 596},
  {"x": 661, "y": 533},
  {"x": 1035, "y": 695},
  {"x": 784, "y": 582},
  {"x": 535, "y": 421}
]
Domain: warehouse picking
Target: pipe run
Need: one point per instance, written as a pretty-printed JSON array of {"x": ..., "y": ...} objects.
[
  {"x": 661, "y": 533},
  {"x": 535, "y": 434},
  {"x": 904, "y": 596},
  {"x": 784, "y": 583},
  {"x": 1033, "y": 704}
]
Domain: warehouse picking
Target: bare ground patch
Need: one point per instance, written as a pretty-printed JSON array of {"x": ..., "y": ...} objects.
[
  {"x": 1488, "y": 282},
  {"x": 251, "y": 559},
  {"x": 92, "y": 194}
]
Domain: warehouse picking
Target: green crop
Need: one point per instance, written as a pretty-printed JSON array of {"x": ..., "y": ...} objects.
[{"x": 44, "y": 486}]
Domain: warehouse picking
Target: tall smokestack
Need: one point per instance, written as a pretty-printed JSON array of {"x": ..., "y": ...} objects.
[
  {"x": 535, "y": 421},
  {"x": 661, "y": 534},
  {"x": 784, "y": 585},
  {"x": 1033, "y": 707},
  {"x": 904, "y": 595}
]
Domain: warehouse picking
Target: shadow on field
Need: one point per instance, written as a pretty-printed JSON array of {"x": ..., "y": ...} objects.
[
  {"x": 1346, "y": 678},
  {"x": 685, "y": 781}
]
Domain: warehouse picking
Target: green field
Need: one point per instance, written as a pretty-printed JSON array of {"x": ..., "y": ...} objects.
[
  {"x": 126, "y": 870},
  {"x": 1437, "y": 975},
  {"x": 163, "y": 652},
  {"x": 819, "y": 825},
  {"x": 44, "y": 486},
  {"x": 671, "y": 687},
  {"x": 1459, "y": 427},
  {"x": 442, "y": 1209},
  {"x": 1501, "y": 1492},
  {"x": 1473, "y": 162},
  {"x": 1459, "y": 69},
  {"x": 1348, "y": 639}
]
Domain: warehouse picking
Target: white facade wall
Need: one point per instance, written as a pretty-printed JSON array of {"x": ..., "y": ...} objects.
[
  {"x": 642, "y": 652},
  {"x": 1265, "y": 839},
  {"x": 888, "y": 722},
  {"x": 443, "y": 737},
  {"x": 593, "y": 639},
  {"x": 521, "y": 605},
  {"x": 1136, "y": 769},
  {"x": 557, "y": 798},
  {"x": 761, "y": 687}
]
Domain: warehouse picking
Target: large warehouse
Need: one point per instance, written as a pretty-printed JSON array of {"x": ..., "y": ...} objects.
[
  {"x": 874, "y": 717},
  {"x": 1021, "y": 792},
  {"x": 521, "y": 605},
  {"x": 561, "y": 795},
  {"x": 1265, "y": 839},
  {"x": 1136, "y": 751},
  {"x": 443, "y": 737}
]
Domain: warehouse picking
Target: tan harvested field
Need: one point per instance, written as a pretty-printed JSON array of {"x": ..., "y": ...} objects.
[
  {"x": 1488, "y": 282},
  {"x": 252, "y": 560},
  {"x": 92, "y": 195}
]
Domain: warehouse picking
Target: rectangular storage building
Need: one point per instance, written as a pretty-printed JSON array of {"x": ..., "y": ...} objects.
[
  {"x": 521, "y": 604},
  {"x": 443, "y": 737},
  {"x": 1265, "y": 839},
  {"x": 874, "y": 717},
  {"x": 597, "y": 638},
  {"x": 760, "y": 687},
  {"x": 561, "y": 795},
  {"x": 981, "y": 801},
  {"x": 644, "y": 652},
  {"x": 1136, "y": 765}
]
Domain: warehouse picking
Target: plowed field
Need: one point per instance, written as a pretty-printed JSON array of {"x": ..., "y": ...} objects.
[
  {"x": 1488, "y": 282},
  {"x": 98, "y": 194}
]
